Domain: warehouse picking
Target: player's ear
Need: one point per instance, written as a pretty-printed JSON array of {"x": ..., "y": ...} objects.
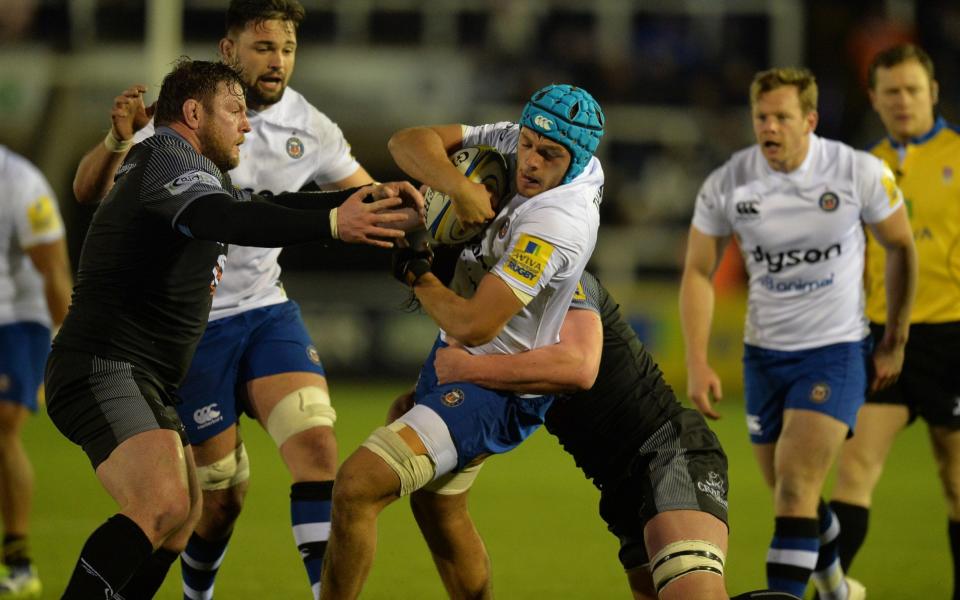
[
  {"x": 934, "y": 92},
  {"x": 227, "y": 50},
  {"x": 191, "y": 113},
  {"x": 812, "y": 118}
]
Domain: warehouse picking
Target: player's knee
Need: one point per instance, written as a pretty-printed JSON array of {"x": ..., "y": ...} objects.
[
  {"x": 166, "y": 513},
  {"x": 414, "y": 470},
  {"x": 221, "y": 508},
  {"x": 299, "y": 411},
  {"x": 685, "y": 557}
]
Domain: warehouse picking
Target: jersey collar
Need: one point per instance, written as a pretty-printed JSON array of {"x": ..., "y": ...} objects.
[{"x": 938, "y": 124}]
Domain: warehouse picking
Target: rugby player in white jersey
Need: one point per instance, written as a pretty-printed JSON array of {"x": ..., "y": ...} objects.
[
  {"x": 795, "y": 202},
  {"x": 256, "y": 335},
  {"x": 35, "y": 288},
  {"x": 511, "y": 289}
]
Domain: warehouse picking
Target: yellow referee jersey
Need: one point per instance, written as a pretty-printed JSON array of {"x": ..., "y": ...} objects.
[{"x": 928, "y": 172}]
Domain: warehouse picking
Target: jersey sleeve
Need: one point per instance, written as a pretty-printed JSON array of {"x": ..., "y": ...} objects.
[
  {"x": 878, "y": 189},
  {"x": 709, "y": 214},
  {"x": 537, "y": 253},
  {"x": 335, "y": 160},
  {"x": 36, "y": 214},
  {"x": 587, "y": 296},
  {"x": 503, "y": 136},
  {"x": 174, "y": 179}
]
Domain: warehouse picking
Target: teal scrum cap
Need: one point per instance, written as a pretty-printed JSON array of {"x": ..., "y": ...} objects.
[{"x": 569, "y": 116}]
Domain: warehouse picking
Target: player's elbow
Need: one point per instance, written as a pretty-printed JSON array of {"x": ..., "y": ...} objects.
[
  {"x": 402, "y": 139},
  {"x": 586, "y": 377}
]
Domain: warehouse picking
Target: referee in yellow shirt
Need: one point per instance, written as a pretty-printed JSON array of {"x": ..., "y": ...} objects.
[{"x": 923, "y": 150}]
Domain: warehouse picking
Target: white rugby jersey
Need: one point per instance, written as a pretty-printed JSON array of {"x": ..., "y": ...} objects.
[
  {"x": 290, "y": 144},
  {"x": 538, "y": 246},
  {"x": 29, "y": 216},
  {"x": 801, "y": 237}
]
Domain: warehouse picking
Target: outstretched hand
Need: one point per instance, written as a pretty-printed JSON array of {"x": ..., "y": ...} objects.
[
  {"x": 129, "y": 115},
  {"x": 373, "y": 214},
  {"x": 412, "y": 204}
]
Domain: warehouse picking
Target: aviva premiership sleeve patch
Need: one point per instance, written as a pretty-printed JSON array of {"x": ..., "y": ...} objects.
[
  {"x": 528, "y": 259},
  {"x": 890, "y": 186},
  {"x": 42, "y": 216}
]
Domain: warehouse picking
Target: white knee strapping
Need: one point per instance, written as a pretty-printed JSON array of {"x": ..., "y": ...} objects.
[
  {"x": 682, "y": 558},
  {"x": 413, "y": 470},
  {"x": 231, "y": 470},
  {"x": 454, "y": 483},
  {"x": 435, "y": 436},
  {"x": 298, "y": 411}
]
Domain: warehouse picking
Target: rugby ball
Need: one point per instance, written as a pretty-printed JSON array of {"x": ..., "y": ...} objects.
[{"x": 481, "y": 164}]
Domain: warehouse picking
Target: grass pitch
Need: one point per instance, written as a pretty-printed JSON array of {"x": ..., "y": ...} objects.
[{"x": 534, "y": 509}]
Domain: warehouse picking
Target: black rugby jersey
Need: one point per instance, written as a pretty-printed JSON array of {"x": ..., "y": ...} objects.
[
  {"x": 603, "y": 427},
  {"x": 143, "y": 289}
]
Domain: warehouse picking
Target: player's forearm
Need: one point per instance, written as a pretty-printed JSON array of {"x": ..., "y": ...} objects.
[
  {"x": 323, "y": 201},
  {"x": 459, "y": 317},
  {"x": 94, "y": 176},
  {"x": 258, "y": 224},
  {"x": 548, "y": 370},
  {"x": 420, "y": 152},
  {"x": 900, "y": 277},
  {"x": 696, "y": 315}
]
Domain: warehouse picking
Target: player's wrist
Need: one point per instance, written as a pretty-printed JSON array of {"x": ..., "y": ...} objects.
[{"x": 114, "y": 144}]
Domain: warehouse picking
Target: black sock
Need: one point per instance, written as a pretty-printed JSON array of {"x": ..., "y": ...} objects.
[
  {"x": 109, "y": 558},
  {"x": 954, "y": 532},
  {"x": 16, "y": 552},
  {"x": 149, "y": 577},
  {"x": 853, "y": 530}
]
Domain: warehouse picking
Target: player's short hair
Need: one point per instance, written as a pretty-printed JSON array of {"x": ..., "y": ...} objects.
[
  {"x": 896, "y": 55},
  {"x": 242, "y": 12},
  {"x": 191, "y": 79},
  {"x": 802, "y": 79}
]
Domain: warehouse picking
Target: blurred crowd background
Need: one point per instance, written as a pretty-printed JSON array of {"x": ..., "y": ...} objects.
[{"x": 672, "y": 76}]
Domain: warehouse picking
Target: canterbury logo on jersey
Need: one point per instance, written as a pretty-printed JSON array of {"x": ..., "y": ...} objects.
[
  {"x": 791, "y": 258},
  {"x": 207, "y": 415},
  {"x": 747, "y": 208}
]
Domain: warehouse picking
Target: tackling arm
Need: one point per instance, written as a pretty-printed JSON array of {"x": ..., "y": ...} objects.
[
  {"x": 900, "y": 281},
  {"x": 217, "y": 217},
  {"x": 51, "y": 262},
  {"x": 696, "y": 314},
  {"x": 569, "y": 366},
  {"x": 422, "y": 153},
  {"x": 473, "y": 321}
]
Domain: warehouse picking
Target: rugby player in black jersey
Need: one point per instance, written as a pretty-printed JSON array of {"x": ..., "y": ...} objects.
[
  {"x": 660, "y": 469},
  {"x": 151, "y": 261}
]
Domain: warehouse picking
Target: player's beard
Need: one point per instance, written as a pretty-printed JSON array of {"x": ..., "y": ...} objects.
[
  {"x": 259, "y": 100},
  {"x": 219, "y": 151}
]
